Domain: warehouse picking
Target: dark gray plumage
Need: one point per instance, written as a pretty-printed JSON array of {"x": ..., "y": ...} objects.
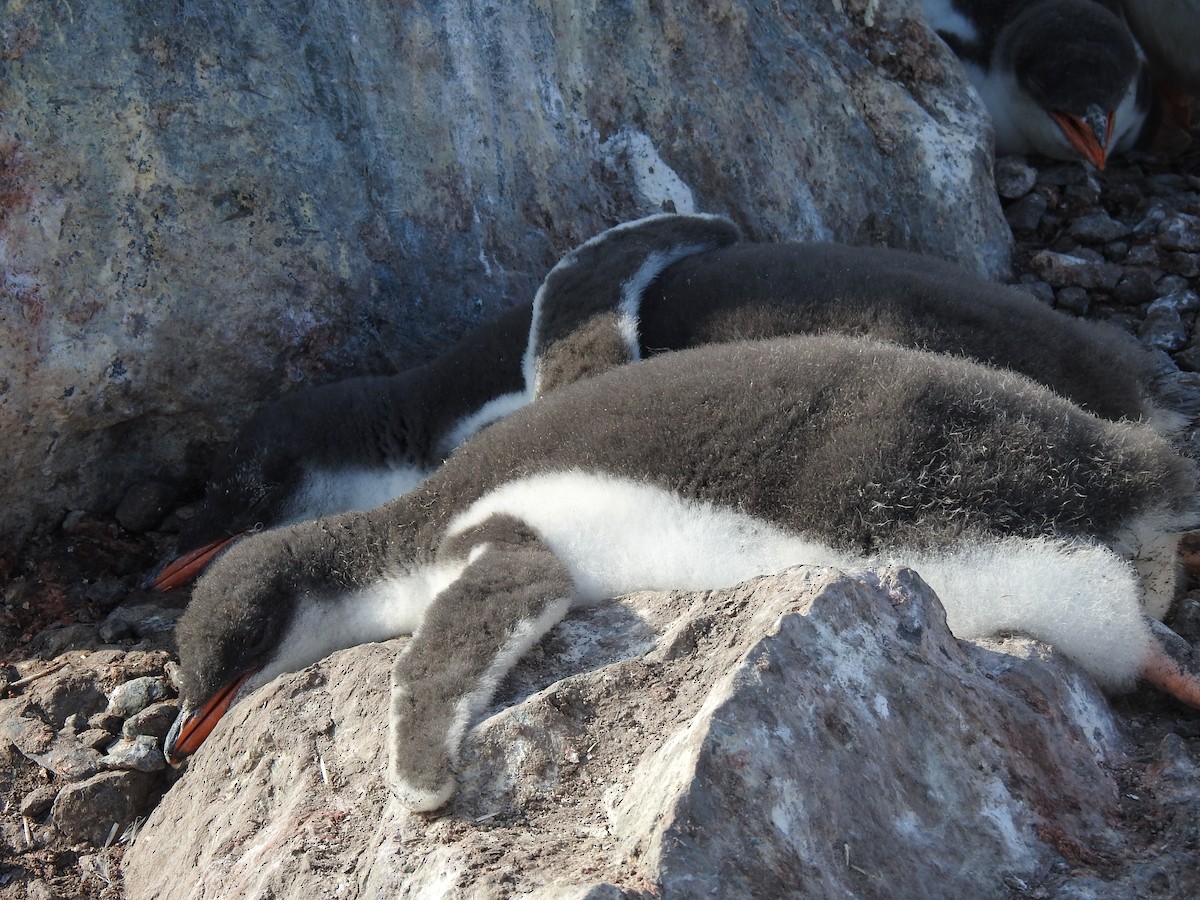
[
  {"x": 700, "y": 469},
  {"x": 348, "y": 445},
  {"x": 662, "y": 283}
]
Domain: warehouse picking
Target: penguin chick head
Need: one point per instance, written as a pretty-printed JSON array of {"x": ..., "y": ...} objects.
[
  {"x": 240, "y": 629},
  {"x": 238, "y": 613},
  {"x": 1075, "y": 61},
  {"x": 249, "y": 490},
  {"x": 293, "y": 461}
]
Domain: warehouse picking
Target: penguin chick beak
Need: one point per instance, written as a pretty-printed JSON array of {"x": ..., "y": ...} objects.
[
  {"x": 1089, "y": 134},
  {"x": 193, "y": 726},
  {"x": 183, "y": 569}
]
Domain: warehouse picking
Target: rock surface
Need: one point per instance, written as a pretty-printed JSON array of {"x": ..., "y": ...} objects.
[
  {"x": 202, "y": 206},
  {"x": 809, "y": 734}
]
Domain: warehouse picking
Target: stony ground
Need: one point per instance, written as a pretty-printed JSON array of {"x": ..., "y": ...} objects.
[{"x": 83, "y": 645}]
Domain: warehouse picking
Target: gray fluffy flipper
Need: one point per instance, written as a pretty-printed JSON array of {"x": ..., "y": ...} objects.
[
  {"x": 512, "y": 592},
  {"x": 585, "y": 315}
]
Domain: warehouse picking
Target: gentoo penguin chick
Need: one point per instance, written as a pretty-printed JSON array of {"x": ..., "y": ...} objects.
[
  {"x": 1060, "y": 78},
  {"x": 665, "y": 282},
  {"x": 359, "y": 442},
  {"x": 748, "y": 291},
  {"x": 698, "y": 470},
  {"x": 1169, "y": 32}
]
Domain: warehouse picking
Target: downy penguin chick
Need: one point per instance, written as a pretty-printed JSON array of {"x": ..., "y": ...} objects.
[
  {"x": 697, "y": 470},
  {"x": 665, "y": 282},
  {"x": 359, "y": 442},
  {"x": 1061, "y": 78},
  {"x": 748, "y": 291}
]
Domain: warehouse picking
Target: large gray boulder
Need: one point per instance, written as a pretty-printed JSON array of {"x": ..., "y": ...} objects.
[
  {"x": 204, "y": 205},
  {"x": 812, "y": 734}
]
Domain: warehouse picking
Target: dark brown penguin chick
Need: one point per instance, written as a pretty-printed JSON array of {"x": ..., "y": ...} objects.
[
  {"x": 749, "y": 291},
  {"x": 698, "y": 470}
]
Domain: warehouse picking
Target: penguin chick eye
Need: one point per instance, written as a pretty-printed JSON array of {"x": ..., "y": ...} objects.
[{"x": 258, "y": 639}]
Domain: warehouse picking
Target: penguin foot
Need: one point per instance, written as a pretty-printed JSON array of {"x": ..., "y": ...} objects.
[
  {"x": 1169, "y": 666},
  {"x": 1189, "y": 554}
]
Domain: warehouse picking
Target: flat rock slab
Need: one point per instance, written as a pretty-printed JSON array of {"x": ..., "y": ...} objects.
[{"x": 809, "y": 734}]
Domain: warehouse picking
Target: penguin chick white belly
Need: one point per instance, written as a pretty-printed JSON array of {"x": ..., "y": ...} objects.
[{"x": 616, "y": 536}]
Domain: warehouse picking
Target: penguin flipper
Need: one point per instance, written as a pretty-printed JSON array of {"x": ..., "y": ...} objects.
[
  {"x": 512, "y": 591},
  {"x": 585, "y": 313}
]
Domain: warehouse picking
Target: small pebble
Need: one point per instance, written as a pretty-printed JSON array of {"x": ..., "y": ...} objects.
[
  {"x": 1163, "y": 327},
  {"x": 1135, "y": 288},
  {"x": 1143, "y": 255},
  {"x": 1034, "y": 286},
  {"x": 172, "y": 671},
  {"x": 1014, "y": 177},
  {"x": 1186, "y": 265},
  {"x": 1063, "y": 270},
  {"x": 139, "y": 754},
  {"x": 1151, "y": 221},
  {"x": 1180, "y": 232},
  {"x": 1085, "y": 194},
  {"x": 37, "y": 802},
  {"x": 1116, "y": 251},
  {"x": 1172, "y": 284},
  {"x": 1184, "y": 301},
  {"x": 97, "y": 739},
  {"x": 140, "y": 621},
  {"x": 133, "y": 696},
  {"x": 1188, "y": 359},
  {"x": 112, "y": 631},
  {"x": 1097, "y": 228},
  {"x": 1026, "y": 214},
  {"x": 153, "y": 721},
  {"x": 106, "y": 593},
  {"x": 106, "y": 721},
  {"x": 1073, "y": 300}
]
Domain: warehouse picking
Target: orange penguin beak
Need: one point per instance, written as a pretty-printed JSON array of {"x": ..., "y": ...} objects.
[
  {"x": 183, "y": 569},
  {"x": 1089, "y": 135},
  {"x": 191, "y": 728}
]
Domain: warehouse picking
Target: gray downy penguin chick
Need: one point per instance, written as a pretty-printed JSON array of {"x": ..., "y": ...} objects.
[
  {"x": 665, "y": 282},
  {"x": 698, "y": 470},
  {"x": 359, "y": 442},
  {"x": 1060, "y": 78},
  {"x": 750, "y": 291}
]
